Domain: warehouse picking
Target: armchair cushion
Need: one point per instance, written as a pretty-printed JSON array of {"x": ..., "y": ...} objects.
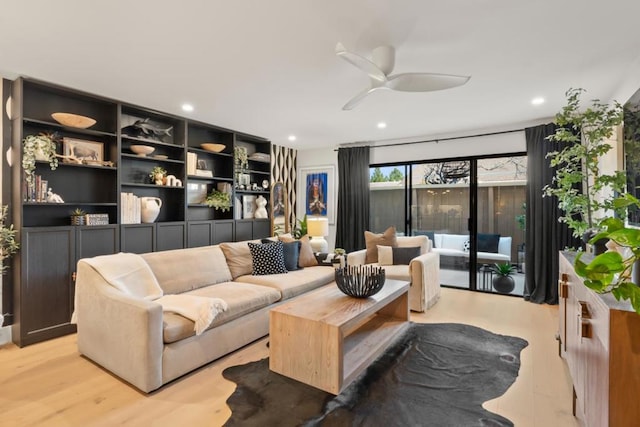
[{"x": 403, "y": 256}]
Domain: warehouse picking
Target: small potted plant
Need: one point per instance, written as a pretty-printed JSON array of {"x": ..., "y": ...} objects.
[
  {"x": 38, "y": 147},
  {"x": 218, "y": 200},
  {"x": 8, "y": 244},
  {"x": 78, "y": 217},
  {"x": 240, "y": 158},
  {"x": 502, "y": 281},
  {"x": 157, "y": 175}
]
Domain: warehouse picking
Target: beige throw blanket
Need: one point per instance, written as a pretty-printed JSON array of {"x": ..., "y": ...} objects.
[{"x": 130, "y": 274}]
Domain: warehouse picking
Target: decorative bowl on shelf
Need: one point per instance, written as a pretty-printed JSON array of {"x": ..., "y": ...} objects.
[
  {"x": 210, "y": 146},
  {"x": 360, "y": 281},
  {"x": 73, "y": 120},
  {"x": 160, "y": 156},
  {"x": 142, "y": 150}
]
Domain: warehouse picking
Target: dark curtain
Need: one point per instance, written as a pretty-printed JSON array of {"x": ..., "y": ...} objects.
[
  {"x": 545, "y": 236},
  {"x": 353, "y": 198}
]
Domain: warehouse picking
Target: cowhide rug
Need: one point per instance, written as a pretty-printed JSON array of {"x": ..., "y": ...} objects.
[{"x": 434, "y": 375}]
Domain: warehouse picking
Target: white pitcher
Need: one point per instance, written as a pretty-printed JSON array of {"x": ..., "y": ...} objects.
[{"x": 149, "y": 208}]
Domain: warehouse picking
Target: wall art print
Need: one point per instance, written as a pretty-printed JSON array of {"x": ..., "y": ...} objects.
[{"x": 316, "y": 188}]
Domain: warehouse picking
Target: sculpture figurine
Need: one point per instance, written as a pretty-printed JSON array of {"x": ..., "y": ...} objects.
[
  {"x": 53, "y": 197},
  {"x": 261, "y": 211}
]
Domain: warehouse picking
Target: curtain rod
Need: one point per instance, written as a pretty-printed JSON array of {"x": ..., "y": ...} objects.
[{"x": 439, "y": 139}]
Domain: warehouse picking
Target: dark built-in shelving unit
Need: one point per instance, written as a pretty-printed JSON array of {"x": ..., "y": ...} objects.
[{"x": 43, "y": 270}]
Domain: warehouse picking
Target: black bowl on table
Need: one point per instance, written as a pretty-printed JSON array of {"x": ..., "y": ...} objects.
[{"x": 360, "y": 281}]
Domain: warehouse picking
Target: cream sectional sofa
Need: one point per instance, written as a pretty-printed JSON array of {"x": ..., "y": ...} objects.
[
  {"x": 423, "y": 271},
  {"x": 135, "y": 340}
]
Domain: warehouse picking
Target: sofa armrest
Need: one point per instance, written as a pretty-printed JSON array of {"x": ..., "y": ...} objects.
[
  {"x": 120, "y": 333},
  {"x": 425, "y": 281},
  {"x": 357, "y": 257}
]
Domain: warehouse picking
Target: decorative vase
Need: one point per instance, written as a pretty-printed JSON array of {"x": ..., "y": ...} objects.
[
  {"x": 503, "y": 284},
  {"x": 149, "y": 208},
  {"x": 77, "y": 220}
]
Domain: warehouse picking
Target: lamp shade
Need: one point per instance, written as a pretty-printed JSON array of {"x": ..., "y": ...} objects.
[{"x": 318, "y": 226}]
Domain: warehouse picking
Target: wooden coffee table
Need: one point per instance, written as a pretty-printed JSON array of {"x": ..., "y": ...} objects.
[{"x": 326, "y": 339}]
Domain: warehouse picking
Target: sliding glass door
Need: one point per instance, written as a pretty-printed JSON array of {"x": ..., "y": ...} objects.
[
  {"x": 471, "y": 209},
  {"x": 440, "y": 208}
]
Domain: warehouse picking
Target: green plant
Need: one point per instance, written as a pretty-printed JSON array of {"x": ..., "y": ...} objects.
[
  {"x": 585, "y": 132},
  {"x": 157, "y": 170},
  {"x": 240, "y": 157},
  {"x": 339, "y": 251},
  {"x": 611, "y": 271},
  {"x": 521, "y": 220},
  {"x": 218, "y": 200},
  {"x": 8, "y": 244},
  {"x": 504, "y": 269},
  {"x": 300, "y": 229},
  {"x": 42, "y": 145},
  {"x": 78, "y": 212}
]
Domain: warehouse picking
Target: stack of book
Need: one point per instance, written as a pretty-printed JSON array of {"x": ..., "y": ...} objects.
[
  {"x": 129, "y": 208},
  {"x": 37, "y": 190}
]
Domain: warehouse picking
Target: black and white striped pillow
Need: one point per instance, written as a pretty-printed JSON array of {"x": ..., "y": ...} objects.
[{"x": 268, "y": 258}]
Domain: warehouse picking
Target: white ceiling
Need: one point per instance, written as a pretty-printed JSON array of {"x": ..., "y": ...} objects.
[{"x": 269, "y": 67}]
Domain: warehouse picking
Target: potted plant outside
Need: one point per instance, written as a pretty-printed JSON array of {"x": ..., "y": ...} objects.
[
  {"x": 38, "y": 147},
  {"x": 582, "y": 190},
  {"x": 502, "y": 281}
]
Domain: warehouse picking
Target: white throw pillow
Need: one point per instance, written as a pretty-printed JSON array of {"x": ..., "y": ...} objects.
[{"x": 385, "y": 255}]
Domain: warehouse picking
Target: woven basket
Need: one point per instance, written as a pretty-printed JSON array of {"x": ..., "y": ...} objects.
[{"x": 360, "y": 281}]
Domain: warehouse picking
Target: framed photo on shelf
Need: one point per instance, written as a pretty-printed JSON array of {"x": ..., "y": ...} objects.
[
  {"x": 85, "y": 151},
  {"x": 279, "y": 208},
  {"x": 196, "y": 192},
  {"x": 248, "y": 206},
  {"x": 316, "y": 189}
]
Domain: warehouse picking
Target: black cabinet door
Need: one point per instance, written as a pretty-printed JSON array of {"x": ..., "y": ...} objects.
[
  {"x": 199, "y": 234},
  {"x": 138, "y": 238},
  {"x": 261, "y": 228},
  {"x": 44, "y": 303},
  {"x": 223, "y": 231},
  {"x": 170, "y": 236},
  {"x": 244, "y": 230},
  {"x": 97, "y": 240}
]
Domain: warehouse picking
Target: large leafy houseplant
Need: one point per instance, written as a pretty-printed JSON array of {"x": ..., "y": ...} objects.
[
  {"x": 583, "y": 192},
  {"x": 218, "y": 200},
  {"x": 611, "y": 271}
]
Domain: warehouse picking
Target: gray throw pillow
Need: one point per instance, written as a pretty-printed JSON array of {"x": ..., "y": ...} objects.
[
  {"x": 488, "y": 242},
  {"x": 403, "y": 256},
  {"x": 268, "y": 258}
]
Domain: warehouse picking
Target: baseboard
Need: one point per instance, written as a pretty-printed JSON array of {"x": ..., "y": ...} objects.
[{"x": 5, "y": 335}]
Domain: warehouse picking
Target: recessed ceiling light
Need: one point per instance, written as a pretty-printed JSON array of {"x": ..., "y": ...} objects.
[
  {"x": 187, "y": 107},
  {"x": 292, "y": 138},
  {"x": 537, "y": 101},
  {"x": 382, "y": 125}
]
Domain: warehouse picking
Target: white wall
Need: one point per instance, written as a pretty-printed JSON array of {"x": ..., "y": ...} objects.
[{"x": 495, "y": 144}]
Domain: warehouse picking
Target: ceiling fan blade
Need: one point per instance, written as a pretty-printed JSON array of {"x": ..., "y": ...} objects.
[
  {"x": 359, "y": 97},
  {"x": 424, "y": 82},
  {"x": 361, "y": 62}
]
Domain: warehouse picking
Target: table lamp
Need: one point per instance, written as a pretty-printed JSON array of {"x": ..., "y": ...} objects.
[{"x": 317, "y": 228}]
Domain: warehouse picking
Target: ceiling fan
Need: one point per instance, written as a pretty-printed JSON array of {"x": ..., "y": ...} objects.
[{"x": 381, "y": 65}]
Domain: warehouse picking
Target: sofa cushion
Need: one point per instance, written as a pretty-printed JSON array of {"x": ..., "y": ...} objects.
[
  {"x": 294, "y": 283},
  {"x": 307, "y": 258},
  {"x": 372, "y": 240},
  {"x": 403, "y": 256},
  {"x": 291, "y": 251},
  {"x": 412, "y": 241},
  {"x": 385, "y": 255},
  {"x": 242, "y": 298},
  {"x": 238, "y": 257},
  {"x": 397, "y": 272},
  {"x": 182, "y": 270},
  {"x": 488, "y": 242},
  {"x": 268, "y": 258}
]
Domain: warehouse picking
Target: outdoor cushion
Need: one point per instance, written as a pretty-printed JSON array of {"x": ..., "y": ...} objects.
[{"x": 488, "y": 242}]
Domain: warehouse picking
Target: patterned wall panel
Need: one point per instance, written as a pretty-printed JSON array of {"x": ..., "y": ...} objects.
[{"x": 284, "y": 169}]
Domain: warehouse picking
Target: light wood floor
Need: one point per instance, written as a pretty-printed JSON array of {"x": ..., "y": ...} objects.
[{"x": 51, "y": 384}]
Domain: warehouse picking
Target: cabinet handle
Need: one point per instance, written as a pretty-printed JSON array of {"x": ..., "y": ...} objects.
[
  {"x": 563, "y": 288},
  {"x": 585, "y": 329},
  {"x": 584, "y": 310}
]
